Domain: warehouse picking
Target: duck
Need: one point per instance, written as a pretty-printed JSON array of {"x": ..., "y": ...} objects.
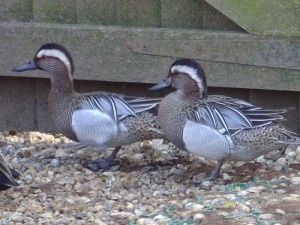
[
  {"x": 99, "y": 120},
  {"x": 7, "y": 176},
  {"x": 216, "y": 127}
]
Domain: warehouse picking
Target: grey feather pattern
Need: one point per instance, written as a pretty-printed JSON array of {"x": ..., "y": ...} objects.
[
  {"x": 117, "y": 106},
  {"x": 231, "y": 115}
]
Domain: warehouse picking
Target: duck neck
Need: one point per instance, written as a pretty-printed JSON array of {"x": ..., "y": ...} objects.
[
  {"x": 191, "y": 94},
  {"x": 61, "y": 81}
]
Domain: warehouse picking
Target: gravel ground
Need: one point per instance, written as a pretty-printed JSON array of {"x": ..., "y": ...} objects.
[{"x": 150, "y": 183}]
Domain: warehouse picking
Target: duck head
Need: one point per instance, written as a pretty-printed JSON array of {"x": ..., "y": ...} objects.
[
  {"x": 54, "y": 59},
  {"x": 187, "y": 76}
]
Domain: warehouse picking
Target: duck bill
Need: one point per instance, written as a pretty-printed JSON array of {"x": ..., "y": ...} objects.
[
  {"x": 161, "y": 85},
  {"x": 27, "y": 66}
]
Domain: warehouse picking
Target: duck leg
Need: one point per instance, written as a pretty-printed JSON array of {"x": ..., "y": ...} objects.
[
  {"x": 103, "y": 164},
  {"x": 215, "y": 174}
]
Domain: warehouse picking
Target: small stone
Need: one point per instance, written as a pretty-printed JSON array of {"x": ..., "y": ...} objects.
[
  {"x": 70, "y": 200},
  {"x": 206, "y": 183},
  {"x": 129, "y": 206},
  {"x": 257, "y": 189},
  {"x": 99, "y": 222},
  {"x": 47, "y": 215},
  {"x": 186, "y": 215},
  {"x": 291, "y": 198},
  {"x": 98, "y": 207},
  {"x": 181, "y": 189},
  {"x": 137, "y": 157},
  {"x": 280, "y": 211},
  {"x": 298, "y": 150},
  {"x": 157, "y": 142},
  {"x": 36, "y": 209},
  {"x": 85, "y": 199},
  {"x": 138, "y": 212},
  {"x": 280, "y": 191},
  {"x": 21, "y": 209},
  {"x": 266, "y": 216},
  {"x": 280, "y": 162},
  {"x": 122, "y": 215},
  {"x": 226, "y": 177},
  {"x": 60, "y": 153},
  {"x": 54, "y": 162},
  {"x": 223, "y": 213},
  {"x": 17, "y": 217},
  {"x": 149, "y": 221},
  {"x": 295, "y": 180},
  {"x": 199, "y": 217},
  {"x": 261, "y": 159},
  {"x": 194, "y": 207},
  {"x": 291, "y": 155},
  {"x": 28, "y": 178},
  {"x": 243, "y": 207},
  {"x": 141, "y": 221},
  {"x": 161, "y": 219},
  {"x": 130, "y": 197},
  {"x": 298, "y": 158},
  {"x": 242, "y": 193}
]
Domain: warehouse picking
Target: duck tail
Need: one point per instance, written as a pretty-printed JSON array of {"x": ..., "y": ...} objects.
[{"x": 7, "y": 175}]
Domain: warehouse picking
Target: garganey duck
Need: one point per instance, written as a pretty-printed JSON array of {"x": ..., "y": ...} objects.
[
  {"x": 99, "y": 119},
  {"x": 213, "y": 126},
  {"x": 7, "y": 175}
]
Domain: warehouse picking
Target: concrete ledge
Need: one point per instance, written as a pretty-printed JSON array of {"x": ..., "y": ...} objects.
[{"x": 109, "y": 53}]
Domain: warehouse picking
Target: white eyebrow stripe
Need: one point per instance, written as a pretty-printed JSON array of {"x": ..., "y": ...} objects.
[
  {"x": 56, "y": 54},
  {"x": 190, "y": 71}
]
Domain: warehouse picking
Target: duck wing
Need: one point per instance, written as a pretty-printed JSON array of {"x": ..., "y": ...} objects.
[{"x": 229, "y": 115}]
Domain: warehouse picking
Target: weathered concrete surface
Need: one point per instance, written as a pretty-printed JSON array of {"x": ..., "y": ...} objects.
[
  {"x": 215, "y": 20},
  {"x": 276, "y": 17},
  {"x": 18, "y": 104},
  {"x": 16, "y": 10},
  {"x": 144, "y": 13},
  {"x": 54, "y": 11},
  {"x": 182, "y": 13},
  {"x": 228, "y": 47},
  {"x": 111, "y": 54},
  {"x": 101, "y": 12}
]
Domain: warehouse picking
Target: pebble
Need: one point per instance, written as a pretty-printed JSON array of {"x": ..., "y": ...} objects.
[
  {"x": 280, "y": 161},
  {"x": 295, "y": 180},
  {"x": 291, "y": 198},
  {"x": 199, "y": 217},
  {"x": 261, "y": 159},
  {"x": 149, "y": 221},
  {"x": 226, "y": 177},
  {"x": 121, "y": 215},
  {"x": 17, "y": 217},
  {"x": 297, "y": 158},
  {"x": 279, "y": 211},
  {"x": 266, "y": 216},
  {"x": 194, "y": 207},
  {"x": 47, "y": 215},
  {"x": 206, "y": 183},
  {"x": 61, "y": 153},
  {"x": 243, "y": 207},
  {"x": 242, "y": 193},
  {"x": 55, "y": 162}
]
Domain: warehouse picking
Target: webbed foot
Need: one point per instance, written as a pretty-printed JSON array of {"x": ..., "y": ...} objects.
[
  {"x": 214, "y": 175},
  {"x": 104, "y": 164}
]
